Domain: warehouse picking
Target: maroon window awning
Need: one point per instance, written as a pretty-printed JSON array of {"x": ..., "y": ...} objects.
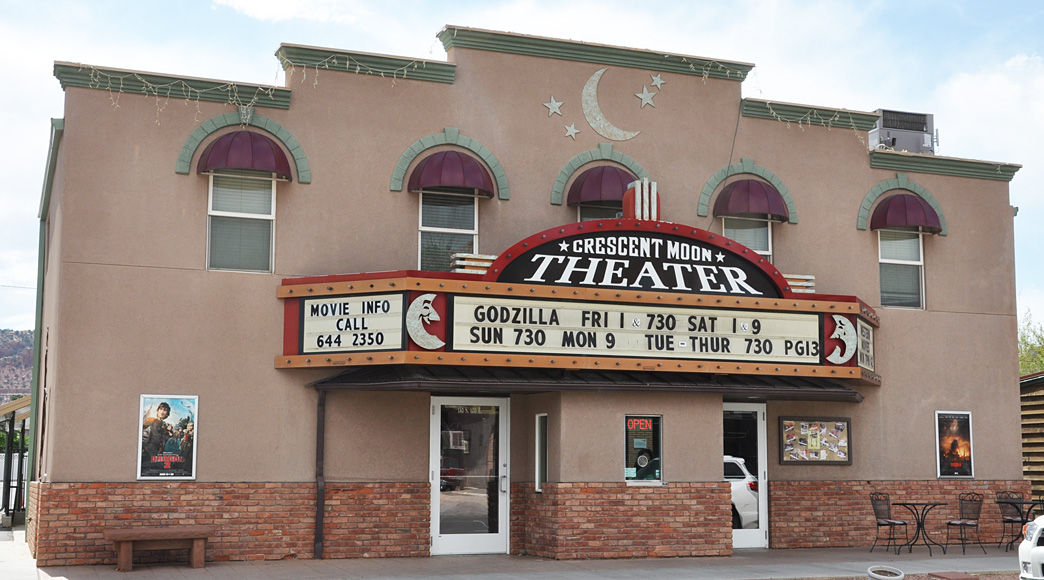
[
  {"x": 245, "y": 150},
  {"x": 600, "y": 185},
  {"x": 451, "y": 170},
  {"x": 752, "y": 198},
  {"x": 905, "y": 210}
]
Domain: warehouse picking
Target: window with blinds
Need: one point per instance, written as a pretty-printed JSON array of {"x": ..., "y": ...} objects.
[
  {"x": 586, "y": 213},
  {"x": 448, "y": 225},
  {"x": 241, "y": 221},
  {"x": 902, "y": 269},
  {"x": 753, "y": 233}
]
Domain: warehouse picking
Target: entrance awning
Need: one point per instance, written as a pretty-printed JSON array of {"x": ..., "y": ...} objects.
[{"x": 489, "y": 380}]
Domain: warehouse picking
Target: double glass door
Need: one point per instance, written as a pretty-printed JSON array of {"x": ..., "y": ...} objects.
[{"x": 469, "y": 475}]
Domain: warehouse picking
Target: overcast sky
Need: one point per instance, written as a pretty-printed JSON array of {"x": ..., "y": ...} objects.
[{"x": 977, "y": 66}]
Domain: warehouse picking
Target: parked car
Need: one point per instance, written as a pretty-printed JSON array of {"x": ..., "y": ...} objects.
[
  {"x": 1031, "y": 551},
  {"x": 744, "y": 493},
  {"x": 450, "y": 475}
]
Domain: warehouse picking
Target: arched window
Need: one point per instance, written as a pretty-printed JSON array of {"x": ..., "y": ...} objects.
[
  {"x": 449, "y": 184},
  {"x": 747, "y": 209},
  {"x": 244, "y": 168},
  {"x": 901, "y": 220},
  {"x": 597, "y": 193}
]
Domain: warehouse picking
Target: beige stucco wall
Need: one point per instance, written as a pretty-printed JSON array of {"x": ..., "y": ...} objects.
[{"x": 134, "y": 309}]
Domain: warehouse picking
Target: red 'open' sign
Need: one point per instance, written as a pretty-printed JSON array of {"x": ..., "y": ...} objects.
[{"x": 639, "y": 424}]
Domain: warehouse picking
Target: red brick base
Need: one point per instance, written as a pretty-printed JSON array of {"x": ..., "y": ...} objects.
[
  {"x": 814, "y": 514},
  {"x": 255, "y": 521},
  {"x": 271, "y": 521},
  {"x": 614, "y": 520}
]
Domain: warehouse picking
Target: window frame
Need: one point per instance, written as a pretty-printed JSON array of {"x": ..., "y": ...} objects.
[
  {"x": 269, "y": 217},
  {"x": 540, "y": 452},
  {"x": 657, "y": 435},
  {"x": 919, "y": 263},
  {"x": 767, "y": 254},
  {"x": 422, "y": 229},
  {"x": 580, "y": 211}
]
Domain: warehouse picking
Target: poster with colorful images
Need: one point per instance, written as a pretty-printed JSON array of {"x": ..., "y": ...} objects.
[
  {"x": 815, "y": 440},
  {"x": 953, "y": 436},
  {"x": 167, "y": 436}
]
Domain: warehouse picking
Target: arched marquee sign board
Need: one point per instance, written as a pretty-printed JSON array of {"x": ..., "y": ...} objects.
[
  {"x": 610, "y": 294},
  {"x": 639, "y": 255}
]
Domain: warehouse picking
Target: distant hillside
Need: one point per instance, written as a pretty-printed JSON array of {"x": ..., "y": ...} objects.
[{"x": 16, "y": 363}]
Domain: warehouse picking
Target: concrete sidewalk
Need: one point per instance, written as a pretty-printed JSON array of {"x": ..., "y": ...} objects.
[{"x": 17, "y": 564}]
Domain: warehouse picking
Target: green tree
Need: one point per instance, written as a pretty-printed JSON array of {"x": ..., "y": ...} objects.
[{"x": 1031, "y": 346}]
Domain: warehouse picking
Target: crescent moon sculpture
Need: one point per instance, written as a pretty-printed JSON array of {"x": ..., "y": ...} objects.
[
  {"x": 594, "y": 115},
  {"x": 846, "y": 332},
  {"x": 418, "y": 314}
]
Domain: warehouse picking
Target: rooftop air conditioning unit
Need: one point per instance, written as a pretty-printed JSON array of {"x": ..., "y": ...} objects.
[{"x": 899, "y": 131}]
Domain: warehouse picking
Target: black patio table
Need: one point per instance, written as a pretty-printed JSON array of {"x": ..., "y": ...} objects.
[
  {"x": 1025, "y": 509},
  {"x": 920, "y": 510}
]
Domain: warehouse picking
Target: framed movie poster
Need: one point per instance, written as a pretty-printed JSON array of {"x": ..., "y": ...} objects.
[
  {"x": 953, "y": 437},
  {"x": 815, "y": 440},
  {"x": 167, "y": 436}
]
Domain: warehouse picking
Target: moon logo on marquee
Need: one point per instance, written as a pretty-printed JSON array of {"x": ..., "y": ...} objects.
[
  {"x": 421, "y": 312},
  {"x": 844, "y": 331},
  {"x": 594, "y": 114}
]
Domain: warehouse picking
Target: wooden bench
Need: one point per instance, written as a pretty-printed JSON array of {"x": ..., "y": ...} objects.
[{"x": 170, "y": 537}]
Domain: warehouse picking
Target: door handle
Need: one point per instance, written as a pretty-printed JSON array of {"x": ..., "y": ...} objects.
[{"x": 503, "y": 484}]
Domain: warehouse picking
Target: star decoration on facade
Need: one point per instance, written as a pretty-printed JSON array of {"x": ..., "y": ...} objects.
[
  {"x": 571, "y": 131},
  {"x": 720, "y": 257},
  {"x": 646, "y": 96},
  {"x": 657, "y": 81},
  {"x": 563, "y": 246},
  {"x": 554, "y": 107}
]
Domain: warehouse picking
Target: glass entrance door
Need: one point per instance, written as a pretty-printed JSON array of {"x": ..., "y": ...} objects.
[
  {"x": 469, "y": 475},
  {"x": 746, "y": 468}
]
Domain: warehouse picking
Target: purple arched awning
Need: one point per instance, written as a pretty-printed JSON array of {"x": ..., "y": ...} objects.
[
  {"x": 451, "y": 170},
  {"x": 601, "y": 184},
  {"x": 751, "y": 197},
  {"x": 905, "y": 210},
  {"x": 245, "y": 150}
]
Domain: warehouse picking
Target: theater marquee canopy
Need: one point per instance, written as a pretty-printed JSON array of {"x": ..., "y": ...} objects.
[{"x": 618, "y": 294}]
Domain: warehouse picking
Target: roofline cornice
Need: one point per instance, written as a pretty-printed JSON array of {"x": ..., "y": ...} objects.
[
  {"x": 149, "y": 84},
  {"x": 809, "y": 115},
  {"x": 477, "y": 39},
  {"x": 295, "y": 55},
  {"x": 923, "y": 163}
]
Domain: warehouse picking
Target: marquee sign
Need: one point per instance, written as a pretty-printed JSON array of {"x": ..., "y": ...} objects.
[
  {"x": 633, "y": 330},
  {"x": 631, "y": 254},
  {"x": 619, "y": 294}
]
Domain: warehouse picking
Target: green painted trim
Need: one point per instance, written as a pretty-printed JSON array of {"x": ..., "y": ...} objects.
[
  {"x": 806, "y": 115},
  {"x": 292, "y": 55},
  {"x": 604, "y": 152},
  {"x": 170, "y": 87},
  {"x": 450, "y": 136},
  {"x": 244, "y": 117},
  {"x": 901, "y": 181},
  {"x": 454, "y": 37},
  {"x": 57, "y": 130},
  {"x": 912, "y": 162},
  {"x": 746, "y": 165}
]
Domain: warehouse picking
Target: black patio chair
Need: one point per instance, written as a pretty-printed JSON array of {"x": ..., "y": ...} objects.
[
  {"x": 1011, "y": 519},
  {"x": 883, "y": 514},
  {"x": 969, "y": 506}
]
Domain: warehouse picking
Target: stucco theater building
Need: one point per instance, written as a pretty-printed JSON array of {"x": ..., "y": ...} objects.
[{"x": 529, "y": 300}]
